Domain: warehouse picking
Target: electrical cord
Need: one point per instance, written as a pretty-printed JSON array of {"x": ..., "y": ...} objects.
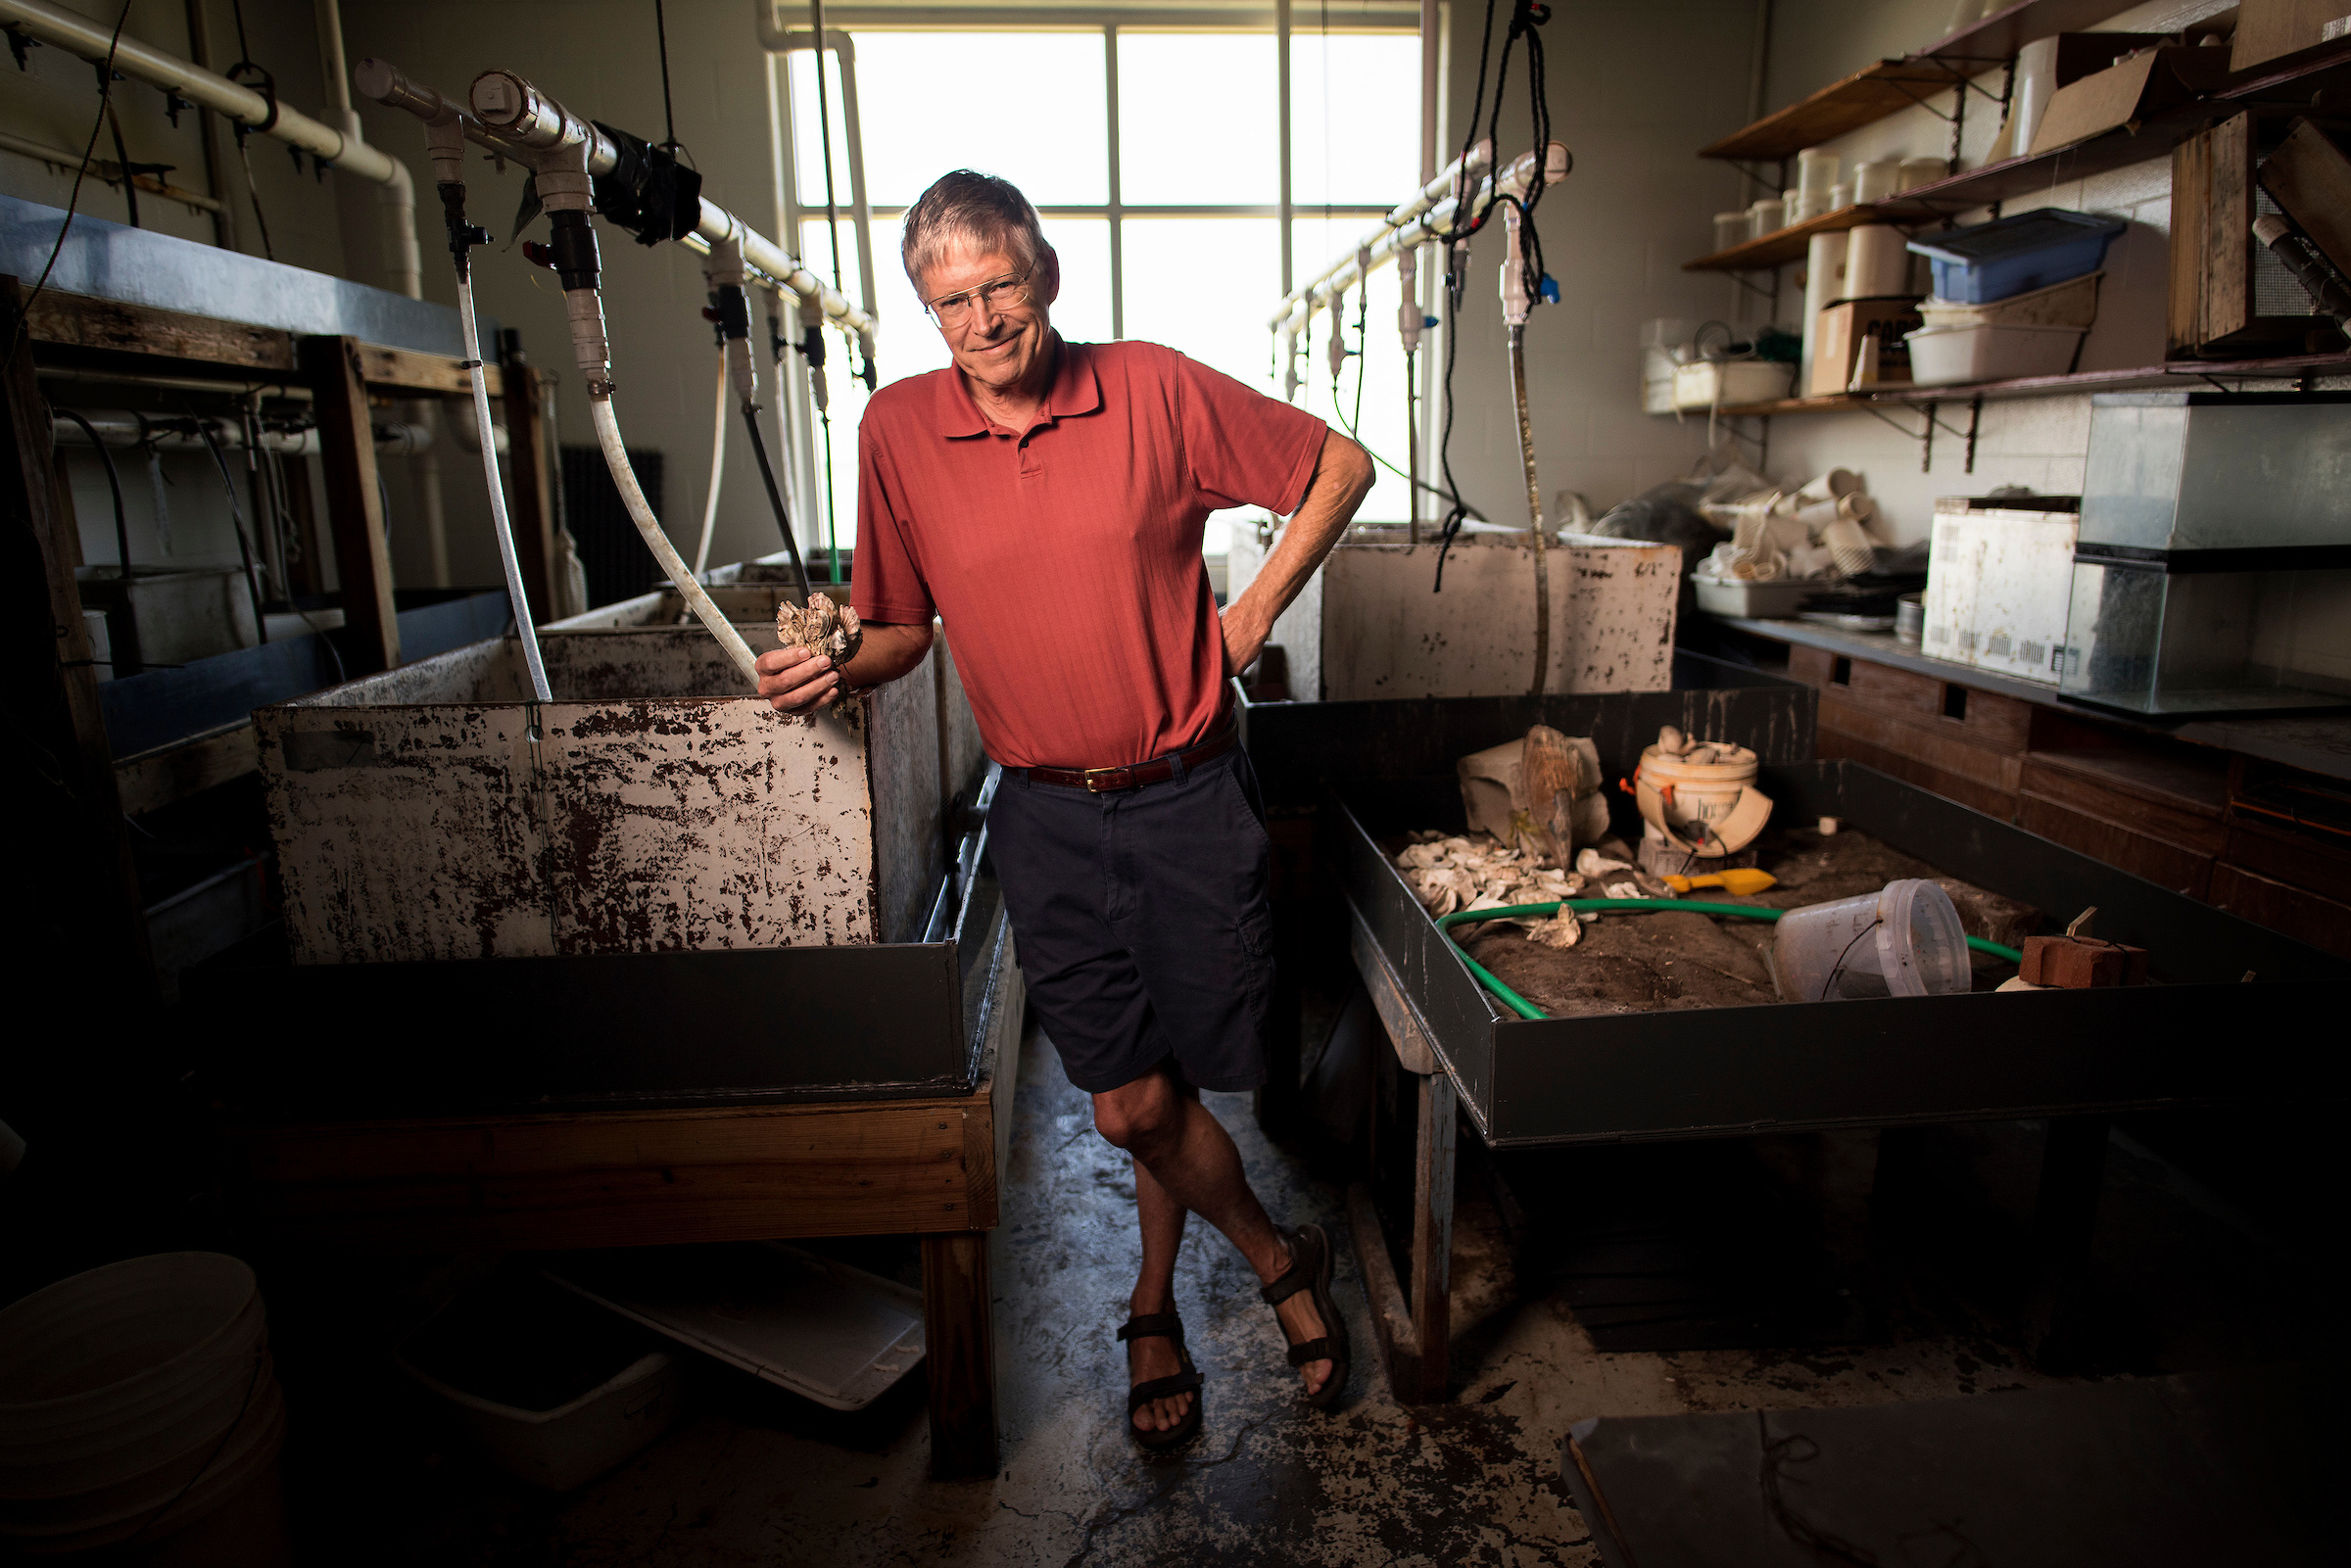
[
  {"x": 1526, "y": 16},
  {"x": 236, "y": 515},
  {"x": 114, "y": 483},
  {"x": 775, "y": 500},
  {"x": 106, "y": 96},
  {"x": 1349, "y": 426}
]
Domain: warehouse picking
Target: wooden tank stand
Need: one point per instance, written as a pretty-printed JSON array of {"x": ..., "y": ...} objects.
[{"x": 927, "y": 1167}]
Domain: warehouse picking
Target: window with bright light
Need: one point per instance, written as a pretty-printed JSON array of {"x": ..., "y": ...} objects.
[{"x": 1167, "y": 222}]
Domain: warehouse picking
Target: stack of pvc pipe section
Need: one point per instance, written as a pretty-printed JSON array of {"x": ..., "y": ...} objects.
[{"x": 1823, "y": 280}]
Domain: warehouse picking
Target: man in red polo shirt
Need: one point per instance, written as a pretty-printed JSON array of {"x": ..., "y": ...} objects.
[{"x": 1045, "y": 500}]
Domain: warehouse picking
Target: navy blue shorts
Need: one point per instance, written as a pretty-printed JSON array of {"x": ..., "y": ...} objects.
[{"x": 1141, "y": 923}]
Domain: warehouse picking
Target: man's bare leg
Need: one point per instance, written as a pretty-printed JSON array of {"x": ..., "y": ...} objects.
[
  {"x": 1191, "y": 1162},
  {"x": 1162, "y": 1219}
]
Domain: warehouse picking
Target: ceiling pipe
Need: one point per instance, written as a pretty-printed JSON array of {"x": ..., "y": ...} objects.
[
  {"x": 526, "y": 121},
  {"x": 1430, "y": 214},
  {"x": 80, "y": 35}
]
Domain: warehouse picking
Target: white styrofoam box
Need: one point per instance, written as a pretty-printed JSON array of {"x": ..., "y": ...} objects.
[
  {"x": 1711, "y": 383},
  {"x": 434, "y": 811},
  {"x": 1369, "y": 625},
  {"x": 1999, "y": 585}
]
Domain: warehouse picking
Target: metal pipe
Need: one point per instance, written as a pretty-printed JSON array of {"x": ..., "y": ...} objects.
[
  {"x": 1428, "y": 216},
  {"x": 104, "y": 169},
  {"x": 78, "y": 34}
]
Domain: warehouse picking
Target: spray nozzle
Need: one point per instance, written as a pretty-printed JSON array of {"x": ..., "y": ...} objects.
[{"x": 537, "y": 254}]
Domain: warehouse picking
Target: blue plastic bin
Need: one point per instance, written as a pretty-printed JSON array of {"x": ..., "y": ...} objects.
[{"x": 2011, "y": 256}]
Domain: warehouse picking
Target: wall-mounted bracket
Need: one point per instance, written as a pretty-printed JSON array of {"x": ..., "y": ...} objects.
[{"x": 1925, "y": 434}]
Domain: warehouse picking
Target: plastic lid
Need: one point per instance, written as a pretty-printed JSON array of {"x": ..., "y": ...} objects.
[
  {"x": 1922, "y": 946},
  {"x": 2012, "y": 236}
]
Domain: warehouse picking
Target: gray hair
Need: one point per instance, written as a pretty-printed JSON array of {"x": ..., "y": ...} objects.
[{"x": 969, "y": 208}]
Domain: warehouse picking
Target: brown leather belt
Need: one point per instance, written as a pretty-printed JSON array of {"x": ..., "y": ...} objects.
[{"x": 1159, "y": 770}]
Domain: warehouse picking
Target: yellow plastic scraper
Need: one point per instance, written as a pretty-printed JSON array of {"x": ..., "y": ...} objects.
[{"x": 1742, "y": 881}]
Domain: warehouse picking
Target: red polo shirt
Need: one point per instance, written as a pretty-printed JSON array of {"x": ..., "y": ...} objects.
[{"x": 1065, "y": 559}]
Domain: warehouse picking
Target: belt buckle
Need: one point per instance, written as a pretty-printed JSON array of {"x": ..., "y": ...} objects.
[{"x": 1097, "y": 779}]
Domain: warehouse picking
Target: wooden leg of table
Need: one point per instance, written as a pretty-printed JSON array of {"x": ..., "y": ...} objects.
[
  {"x": 2073, "y": 1168},
  {"x": 959, "y": 1327},
  {"x": 1391, "y": 1319},
  {"x": 1432, "y": 1238}
]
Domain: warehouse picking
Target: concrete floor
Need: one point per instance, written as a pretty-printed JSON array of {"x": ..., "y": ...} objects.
[{"x": 751, "y": 1475}]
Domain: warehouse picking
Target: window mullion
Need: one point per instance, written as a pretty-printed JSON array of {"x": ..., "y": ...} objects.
[{"x": 1117, "y": 238}]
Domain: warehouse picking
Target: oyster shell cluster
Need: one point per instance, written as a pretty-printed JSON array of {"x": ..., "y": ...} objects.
[
  {"x": 825, "y": 629},
  {"x": 1454, "y": 872}
]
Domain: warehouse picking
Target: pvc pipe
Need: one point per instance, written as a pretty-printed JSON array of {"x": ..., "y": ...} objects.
[
  {"x": 718, "y": 462},
  {"x": 80, "y": 35},
  {"x": 1431, "y": 215},
  {"x": 616, "y": 458},
  {"x": 511, "y": 116},
  {"x": 778, "y": 41},
  {"x": 515, "y": 595}
]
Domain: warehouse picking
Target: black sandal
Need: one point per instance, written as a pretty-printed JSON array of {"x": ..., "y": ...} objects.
[
  {"x": 1310, "y": 1270},
  {"x": 1167, "y": 1326}
]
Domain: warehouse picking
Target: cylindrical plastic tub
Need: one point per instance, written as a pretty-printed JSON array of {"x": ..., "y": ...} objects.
[
  {"x": 1942, "y": 357},
  {"x": 1904, "y": 940},
  {"x": 135, "y": 1399}
]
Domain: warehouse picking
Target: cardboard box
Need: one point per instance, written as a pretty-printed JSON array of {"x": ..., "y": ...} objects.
[
  {"x": 1843, "y": 327},
  {"x": 2120, "y": 95},
  {"x": 2269, "y": 29}
]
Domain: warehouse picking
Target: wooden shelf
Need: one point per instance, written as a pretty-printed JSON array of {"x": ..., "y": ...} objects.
[
  {"x": 1860, "y": 99},
  {"x": 2150, "y": 377},
  {"x": 1781, "y": 246},
  {"x": 2294, "y": 77},
  {"x": 1893, "y": 85},
  {"x": 2323, "y": 68}
]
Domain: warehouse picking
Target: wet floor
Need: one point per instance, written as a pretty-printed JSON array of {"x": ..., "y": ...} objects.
[{"x": 752, "y": 1475}]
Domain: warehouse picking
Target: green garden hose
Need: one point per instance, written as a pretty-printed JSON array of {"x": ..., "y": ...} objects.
[{"x": 1618, "y": 905}]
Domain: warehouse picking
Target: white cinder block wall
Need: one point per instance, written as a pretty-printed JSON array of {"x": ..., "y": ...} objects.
[{"x": 1635, "y": 89}]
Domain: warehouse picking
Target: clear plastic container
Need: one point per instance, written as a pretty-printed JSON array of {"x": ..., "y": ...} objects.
[{"x": 1903, "y": 940}]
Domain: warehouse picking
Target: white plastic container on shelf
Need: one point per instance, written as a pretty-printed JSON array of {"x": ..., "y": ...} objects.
[
  {"x": 2071, "y": 304},
  {"x": 1904, "y": 940},
  {"x": 1943, "y": 357},
  {"x": 1730, "y": 231},
  {"x": 1766, "y": 218}
]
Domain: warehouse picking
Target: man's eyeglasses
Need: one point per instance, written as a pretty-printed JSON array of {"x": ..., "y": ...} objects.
[{"x": 1002, "y": 294}]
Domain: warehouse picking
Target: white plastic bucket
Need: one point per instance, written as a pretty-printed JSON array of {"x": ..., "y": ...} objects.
[
  {"x": 1708, "y": 809},
  {"x": 1903, "y": 940},
  {"x": 134, "y": 1400}
]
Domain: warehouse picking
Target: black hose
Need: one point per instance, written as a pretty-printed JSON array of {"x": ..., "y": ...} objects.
[
  {"x": 113, "y": 482},
  {"x": 775, "y": 500},
  {"x": 236, "y": 517}
]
